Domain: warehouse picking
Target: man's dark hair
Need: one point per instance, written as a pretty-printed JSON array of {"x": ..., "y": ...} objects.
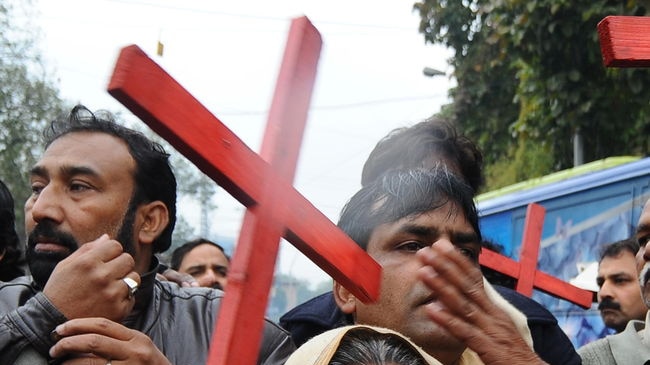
[
  {"x": 416, "y": 146},
  {"x": 10, "y": 264},
  {"x": 364, "y": 346},
  {"x": 179, "y": 254},
  {"x": 154, "y": 179},
  {"x": 615, "y": 249},
  {"x": 402, "y": 193}
]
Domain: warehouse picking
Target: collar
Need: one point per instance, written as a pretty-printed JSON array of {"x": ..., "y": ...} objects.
[{"x": 144, "y": 293}]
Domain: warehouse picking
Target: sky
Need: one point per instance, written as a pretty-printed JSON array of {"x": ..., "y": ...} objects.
[{"x": 228, "y": 53}]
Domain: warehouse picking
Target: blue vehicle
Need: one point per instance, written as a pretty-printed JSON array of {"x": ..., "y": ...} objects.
[{"x": 587, "y": 207}]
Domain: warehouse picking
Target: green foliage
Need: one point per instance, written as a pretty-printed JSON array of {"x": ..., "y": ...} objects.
[
  {"x": 28, "y": 100},
  {"x": 530, "y": 75}
]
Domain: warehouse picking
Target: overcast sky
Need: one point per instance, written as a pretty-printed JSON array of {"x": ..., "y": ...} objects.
[{"x": 227, "y": 54}]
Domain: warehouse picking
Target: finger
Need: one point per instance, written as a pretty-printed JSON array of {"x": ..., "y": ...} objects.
[
  {"x": 121, "y": 265},
  {"x": 455, "y": 274},
  {"x": 91, "y": 343},
  {"x": 182, "y": 279},
  {"x": 463, "y": 297},
  {"x": 85, "y": 359},
  {"x": 104, "y": 248},
  {"x": 101, "y": 326}
]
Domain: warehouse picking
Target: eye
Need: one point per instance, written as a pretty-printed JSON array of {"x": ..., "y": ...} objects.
[
  {"x": 643, "y": 240},
  {"x": 469, "y": 253},
  {"x": 79, "y": 187},
  {"x": 411, "y": 246},
  {"x": 37, "y": 188}
]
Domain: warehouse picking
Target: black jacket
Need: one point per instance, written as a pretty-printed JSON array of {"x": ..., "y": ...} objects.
[
  {"x": 179, "y": 321},
  {"x": 321, "y": 313}
]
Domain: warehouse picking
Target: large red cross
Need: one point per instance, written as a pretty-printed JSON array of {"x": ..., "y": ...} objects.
[{"x": 262, "y": 184}]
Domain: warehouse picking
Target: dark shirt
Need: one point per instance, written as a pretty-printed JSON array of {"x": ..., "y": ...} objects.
[{"x": 321, "y": 313}]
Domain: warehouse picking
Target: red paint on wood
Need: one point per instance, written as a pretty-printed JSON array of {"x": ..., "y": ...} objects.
[
  {"x": 275, "y": 207},
  {"x": 530, "y": 248},
  {"x": 625, "y": 41},
  {"x": 526, "y": 273}
]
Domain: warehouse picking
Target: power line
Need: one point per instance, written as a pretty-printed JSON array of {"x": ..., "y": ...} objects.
[
  {"x": 252, "y": 16},
  {"x": 343, "y": 106}
]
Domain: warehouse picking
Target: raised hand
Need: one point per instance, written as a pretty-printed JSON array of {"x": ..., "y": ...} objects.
[
  {"x": 468, "y": 313},
  {"x": 89, "y": 282}
]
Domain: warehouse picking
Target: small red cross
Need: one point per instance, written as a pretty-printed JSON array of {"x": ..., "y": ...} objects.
[
  {"x": 525, "y": 271},
  {"x": 263, "y": 185}
]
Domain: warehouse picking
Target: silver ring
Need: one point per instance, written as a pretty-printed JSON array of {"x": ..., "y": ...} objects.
[
  {"x": 133, "y": 287},
  {"x": 108, "y": 361}
]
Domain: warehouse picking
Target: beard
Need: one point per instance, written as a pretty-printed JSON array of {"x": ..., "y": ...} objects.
[
  {"x": 644, "y": 277},
  {"x": 41, "y": 264}
]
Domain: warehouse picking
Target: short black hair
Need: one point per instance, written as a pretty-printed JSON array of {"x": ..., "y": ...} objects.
[
  {"x": 614, "y": 249},
  {"x": 12, "y": 257},
  {"x": 154, "y": 179},
  {"x": 402, "y": 193},
  {"x": 412, "y": 147},
  {"x": 179, "y": 254}
]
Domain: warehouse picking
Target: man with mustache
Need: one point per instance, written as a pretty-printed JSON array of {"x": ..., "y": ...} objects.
[
  {"x": 103, "y": 203},
  {"x": 205, "y": 260},
  {"x": 619, "y": 295},
  {"x": 632, "y": 346},
  {"x": 433, "y": 142},
  {"x": 421, "y": 226}
]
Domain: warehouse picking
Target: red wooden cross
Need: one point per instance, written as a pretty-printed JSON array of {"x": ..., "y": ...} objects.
[
  {"x": 525, "y": 272},
  {"x": 263, "y": 185},
  {"x": 625, "y": 41}
]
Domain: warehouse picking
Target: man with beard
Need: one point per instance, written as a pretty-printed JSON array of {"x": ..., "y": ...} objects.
[
  {"x": 205, "y": 260},
  {"x": 103, "y": 203},
  {"x": 619, "y": 295},
  {"x": 632, "y": 346},
  {"x": 421, "y": 226}
]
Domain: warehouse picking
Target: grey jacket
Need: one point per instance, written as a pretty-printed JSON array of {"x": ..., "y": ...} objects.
[
  {"x": 626, "y": 348},
  {"x": 179, "y": 321}
]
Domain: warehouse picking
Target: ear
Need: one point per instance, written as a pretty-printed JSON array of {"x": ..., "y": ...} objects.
[
  {"x": 153, "y": 218},
  {"x": 344, "y": 299}
]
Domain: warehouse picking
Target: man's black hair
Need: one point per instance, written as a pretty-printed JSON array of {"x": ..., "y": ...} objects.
[
  {"x": 179, "y": 254},
  {"x": 12, "y": 257},
  {"x": 403, "y": 193},
  {"x": 614, "y": 249},
  {"x": 433, "y": 140}
]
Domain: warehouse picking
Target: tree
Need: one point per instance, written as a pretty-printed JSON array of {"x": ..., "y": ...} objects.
[
  {"x": 28, "y": 100},
  {"x": 530, "y": 78}
]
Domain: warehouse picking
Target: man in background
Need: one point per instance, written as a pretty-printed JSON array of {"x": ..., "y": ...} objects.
[
  {"x": 619, "y": 295},
  {"x": 205, "y": 260},
  {"x": 632, "y": 346}
]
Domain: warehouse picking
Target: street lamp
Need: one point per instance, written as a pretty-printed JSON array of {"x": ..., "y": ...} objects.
[{"x": 431, "y": 72}]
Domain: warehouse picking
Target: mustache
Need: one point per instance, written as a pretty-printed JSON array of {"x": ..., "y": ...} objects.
[
  {"x": 46, "y": 231},
  {"x": 608, "y": 303}
]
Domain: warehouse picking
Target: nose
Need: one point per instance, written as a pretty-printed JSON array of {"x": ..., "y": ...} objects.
[
  {"x": 444, "y": 242},
  {"x": 208, "y": 279},
  {"x": 605, "y": 291},
  {"x": 44, "y": 205}
]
